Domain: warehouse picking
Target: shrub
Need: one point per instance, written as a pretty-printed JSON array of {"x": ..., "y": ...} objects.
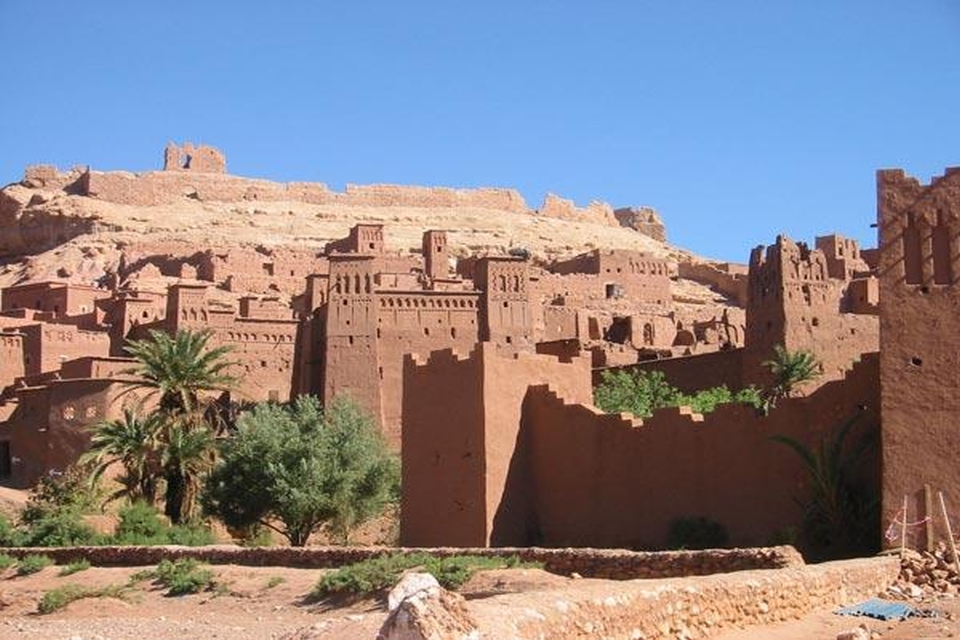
[
  {"x": 190, "y": 535},
  {"x": 296, "y": 468},
  {"x": 141, "y": 524},
  {"x": 6, "y": 561},
  {"x": 32, "y": 564},
  {"x": 696, "y": 533},
  {"x": 56, "y": 528},
  {"x": 183, "y": 576},
  {"x": 75, "y": 567},
  {"x": 274, "y": 581},
  {"x": 377, "y": 574},
  {"x": 52, "y": 516},
  {"x": 62, "y": 596},
  {"x": 9, "y": 536}
]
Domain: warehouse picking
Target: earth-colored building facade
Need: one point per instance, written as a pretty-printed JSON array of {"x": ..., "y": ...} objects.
[{"x": 919, "y": 227}]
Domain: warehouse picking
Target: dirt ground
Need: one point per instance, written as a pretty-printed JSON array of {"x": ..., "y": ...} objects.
[
  {"x": 269, "y": 602},
  {"x": 250, "y": 607}
]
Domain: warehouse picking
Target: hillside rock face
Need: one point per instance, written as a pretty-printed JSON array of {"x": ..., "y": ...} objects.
[{"x": 643, "y": 219}]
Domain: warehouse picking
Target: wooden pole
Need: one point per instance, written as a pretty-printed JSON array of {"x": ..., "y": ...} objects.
[
  {"x": 903, "y": 530},
  {"x": 928, "y": 518},
  {"x": 953, "y": 544}
]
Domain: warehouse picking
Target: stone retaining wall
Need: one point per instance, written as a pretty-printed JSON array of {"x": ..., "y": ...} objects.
[
  {"x": 694, "y": 607},
  {"x": 591, "y": 563}
]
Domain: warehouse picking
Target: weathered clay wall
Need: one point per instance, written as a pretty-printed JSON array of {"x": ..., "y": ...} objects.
[
  {"x": 843, "y": 256},
  {"x": 60, "y": 298},
  {"x": 454, "y": 471},
  {"x": 556, "y": 472},
  {"x": 50, "y": 427},
  {"x": 11, "y": 358},
  {"x": 263, "y": 351},
  {"x": 418, "y": 322},
  {"x": 728, "y": 279},
  {"x": 602, "y": 275},
  {"x": 920, "y": 376},
  {"x": 443, "y": 499},
  {"x": 47, "y": 346},
  {"x": 590, "y": 468},
  {"x": 199, "y": 159},
  {"x": 794, "y": 302}
]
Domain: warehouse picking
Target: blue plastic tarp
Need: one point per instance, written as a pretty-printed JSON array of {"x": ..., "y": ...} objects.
[{"x": 882, "y": 610}]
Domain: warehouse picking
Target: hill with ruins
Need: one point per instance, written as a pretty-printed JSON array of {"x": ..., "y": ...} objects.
[{"x": 76, "y": 224}]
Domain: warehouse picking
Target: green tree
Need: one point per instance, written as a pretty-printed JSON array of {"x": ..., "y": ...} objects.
[
  {"x": 640, "y": 392},
  {"x": 133, "y": 442},
  {"x": 184, "y": 372},
  {"x": 790, "y": 369},
  {"x": 297, "y": 467}
]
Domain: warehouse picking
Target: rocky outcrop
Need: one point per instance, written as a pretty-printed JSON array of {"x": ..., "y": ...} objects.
[
  {"x": 420, "y": 609},
  {"x": 32, "y": 222},
  {"x": 643, "y": 219}
]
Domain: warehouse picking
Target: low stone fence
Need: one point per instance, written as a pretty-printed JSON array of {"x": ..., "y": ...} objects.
[
  {"x": 613, "y": 564},
  {"x": 692, "y": 607}
]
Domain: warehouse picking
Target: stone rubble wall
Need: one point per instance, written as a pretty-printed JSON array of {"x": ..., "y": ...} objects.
[
  {"x": 694, "y": 607},
  {"x": 613, "y": 564}
]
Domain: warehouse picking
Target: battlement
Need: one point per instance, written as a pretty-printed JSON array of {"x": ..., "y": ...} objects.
[{"x": 919, "y": 227}]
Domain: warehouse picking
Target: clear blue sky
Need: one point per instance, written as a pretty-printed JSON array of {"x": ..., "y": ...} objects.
[{"x": 737, "y": 119}]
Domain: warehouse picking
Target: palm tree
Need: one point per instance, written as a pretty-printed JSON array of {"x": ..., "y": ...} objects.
[
  {"x": 185, "y": 374},
  {"x": 790, "y": 369},
  {"x": 180, "y": 368},
  {"x": 131, "y": 441},
  {"x": 188, "y": 455},
  {"x": 840, "y": 518}
]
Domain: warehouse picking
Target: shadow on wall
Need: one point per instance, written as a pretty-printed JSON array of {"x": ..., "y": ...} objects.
[{"x": 515, "y": 521}]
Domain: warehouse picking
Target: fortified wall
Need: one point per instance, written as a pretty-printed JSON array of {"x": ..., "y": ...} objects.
[
  {"x": 532, "y": 462},
  {"x": 920, "y": 369}
]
